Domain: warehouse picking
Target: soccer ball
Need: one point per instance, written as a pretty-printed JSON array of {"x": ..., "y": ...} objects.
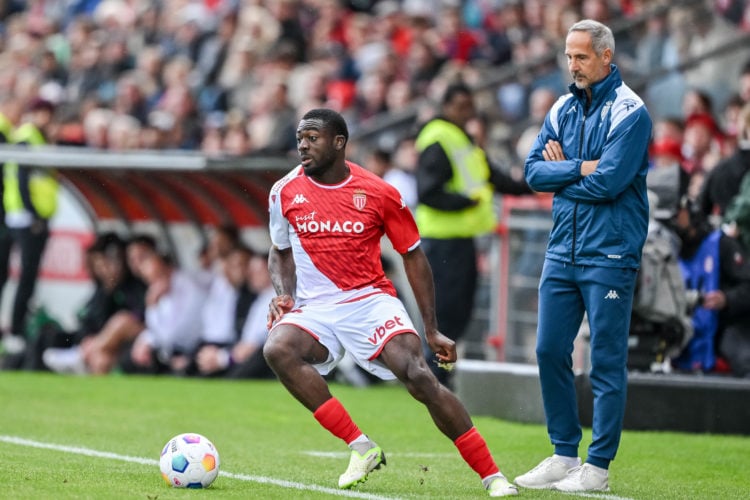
[{"x": 189, "y": 461}]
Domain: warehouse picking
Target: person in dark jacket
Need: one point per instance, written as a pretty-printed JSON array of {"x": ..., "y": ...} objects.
[
  {"x": 724, "y": 181},
  {"x": 717, "y": 274},
  {"x": 592, "y": 153},
  {"x": 117, "y": 302}
]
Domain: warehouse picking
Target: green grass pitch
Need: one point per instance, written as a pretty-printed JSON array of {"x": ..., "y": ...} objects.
[{"x": 100, "y": 437}]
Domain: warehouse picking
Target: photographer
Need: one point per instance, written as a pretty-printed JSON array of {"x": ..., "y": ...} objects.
[{"x": 718, "y": 277}]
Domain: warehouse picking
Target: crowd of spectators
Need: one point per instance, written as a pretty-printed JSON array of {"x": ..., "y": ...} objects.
[
  {"x": 149, "y": 315},
  {"x": 233, "y": 76}
]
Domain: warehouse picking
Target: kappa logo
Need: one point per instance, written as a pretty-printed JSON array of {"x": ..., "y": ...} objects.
[
  {"x": 612, "y": 295},
  {"x": 299, "y": 198}
]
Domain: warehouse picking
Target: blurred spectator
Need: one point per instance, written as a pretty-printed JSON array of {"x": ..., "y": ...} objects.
[
  {"x": 112, "y": 315},
  {"x": 271, "y": 125},
  {"x": 701, "y": 143},
  {"x": 423, "y": 66},
  {"x": 704, "y": 32},
  {"x": 453, "y": 39},
  {"x": 130, "y": 96},
  {"x": 729, "y": 120},
  {"x": 402, "y": 175},
  {"x": 237, "y": 140},
  {"x": 96, "y": 127},
  {"x": 124, "y": 133},
  {"x": 696, "y": 102},
  {"x": 744, "y": 83},
  {"x": 212, "y": 139},
  {"x": 30, "y": 200},
  {"x": 243, "y": 358},
  {"x": 173, "y": 318},
  {"x": 666, "y": 178},
  {"x": 209, "y": 59},
  {"x": 221, "y": 240},
  {"x": 291, "y": 31},
  {"x": 723, "y": 183},
  {"x": 718, "y": 275},
  {"x": 540, "y": 101},
  {"x": 120, "y": 55},
  {"x": 669, "y": 127},
  {"x": 223, "y": 314},
  {"x": 378, "y": 161}
]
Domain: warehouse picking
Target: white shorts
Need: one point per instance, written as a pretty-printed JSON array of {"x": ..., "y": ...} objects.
[{"x": 361, "y": 328}]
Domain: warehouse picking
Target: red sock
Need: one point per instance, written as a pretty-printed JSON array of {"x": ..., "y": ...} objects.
[
  {"x": 334, "y": 417},
  {"x": 473, "y": 448}
]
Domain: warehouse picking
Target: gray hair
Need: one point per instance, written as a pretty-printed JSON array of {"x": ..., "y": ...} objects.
[{"x": 601, "y": 36}]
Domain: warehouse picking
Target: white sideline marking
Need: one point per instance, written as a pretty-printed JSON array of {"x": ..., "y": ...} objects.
[
  {"x": 341, "y": 454},
  {"x": 605, "y": 496},
  {"x": 149, "y": 461}
]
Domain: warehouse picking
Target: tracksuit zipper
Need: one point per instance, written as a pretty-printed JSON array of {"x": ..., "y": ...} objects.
[{"x": 575, "y": 208}]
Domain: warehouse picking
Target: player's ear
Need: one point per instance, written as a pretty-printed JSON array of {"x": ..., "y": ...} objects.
[{"x": 339, "y": 142}]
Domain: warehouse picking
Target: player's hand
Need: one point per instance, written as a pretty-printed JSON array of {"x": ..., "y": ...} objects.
[
  {"x": 553, "y": 151},
  {"x": 443, "y": 347},
  {"x": 280, "y": 305}
]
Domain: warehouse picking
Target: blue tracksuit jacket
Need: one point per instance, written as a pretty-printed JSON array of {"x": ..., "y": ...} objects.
[{"x": 601, "y": 219}]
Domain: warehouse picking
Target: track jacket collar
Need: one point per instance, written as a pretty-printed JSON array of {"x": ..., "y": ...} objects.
[{"x": 600, "y": 89}]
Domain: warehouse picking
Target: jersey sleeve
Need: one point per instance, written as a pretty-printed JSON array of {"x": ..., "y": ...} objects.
[
  {"x": 278, "y": 225},
  {"x": 400, "y": 226}
]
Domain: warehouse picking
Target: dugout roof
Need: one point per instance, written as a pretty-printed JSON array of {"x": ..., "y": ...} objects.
[{"x": 164, "y": 187}]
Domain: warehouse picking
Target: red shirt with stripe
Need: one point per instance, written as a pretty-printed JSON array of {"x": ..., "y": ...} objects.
[{"x": 335, "y": 233}]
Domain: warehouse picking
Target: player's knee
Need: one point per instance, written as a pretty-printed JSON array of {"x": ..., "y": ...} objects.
[
  {"x": 275, "y": 351},
  {"x": 420, "y": 381}
]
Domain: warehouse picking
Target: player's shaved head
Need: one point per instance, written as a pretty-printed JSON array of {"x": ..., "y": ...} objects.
[{"x": 330, "y": 119}]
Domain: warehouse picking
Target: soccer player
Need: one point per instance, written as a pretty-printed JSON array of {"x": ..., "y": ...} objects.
[{"x": 327, "y": 217}]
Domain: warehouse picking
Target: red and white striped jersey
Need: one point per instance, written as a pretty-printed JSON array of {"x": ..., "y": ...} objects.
[{"x": 335, "y": 231}]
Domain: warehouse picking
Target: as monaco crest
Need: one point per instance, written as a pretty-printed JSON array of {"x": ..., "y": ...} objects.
[{"x": 360, "y": 199}]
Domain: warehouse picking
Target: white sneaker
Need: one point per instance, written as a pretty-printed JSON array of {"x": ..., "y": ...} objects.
[
  {"x": 500, "y": 487},
  {"x": 584, "y": 478},
  {"x": 14, "y": 344},
  {"x": 360, "y": 466},
  {"x": 548, "y": 472},
  {"x": 64, "y": 360}
]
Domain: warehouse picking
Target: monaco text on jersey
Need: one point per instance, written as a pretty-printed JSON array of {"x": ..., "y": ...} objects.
[{"x": 328, "y": 226}]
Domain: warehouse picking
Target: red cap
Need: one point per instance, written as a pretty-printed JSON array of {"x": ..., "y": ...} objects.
[
  {"x": 667, "y": 147},
  {"x": 704, "y": 119}
]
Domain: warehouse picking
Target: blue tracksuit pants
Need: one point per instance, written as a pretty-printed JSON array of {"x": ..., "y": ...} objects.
[{"x": 605, "y": 294}]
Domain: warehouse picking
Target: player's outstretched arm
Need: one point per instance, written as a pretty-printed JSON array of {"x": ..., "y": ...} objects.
[{"x": 419, "y": 274}]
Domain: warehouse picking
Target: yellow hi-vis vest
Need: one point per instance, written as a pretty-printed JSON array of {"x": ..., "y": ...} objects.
[
  {"x": 43, "y": 185},
  {"x": 470, "y": 178},
  {"x": 6, "y": 127}
]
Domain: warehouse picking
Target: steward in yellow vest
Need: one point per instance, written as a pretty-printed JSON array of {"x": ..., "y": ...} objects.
[
  {"x": 29, "y": 199},
  {"x": 26, "y": 190},
  {"x": 455, "y": 188}
]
